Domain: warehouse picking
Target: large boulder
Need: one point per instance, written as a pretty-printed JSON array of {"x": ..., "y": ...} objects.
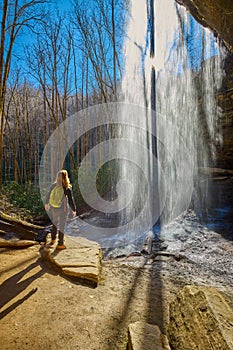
[{"x": 200, "y": 318}]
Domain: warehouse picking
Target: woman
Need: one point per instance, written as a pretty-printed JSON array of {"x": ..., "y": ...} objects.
[{"x": 59, "y": 194}]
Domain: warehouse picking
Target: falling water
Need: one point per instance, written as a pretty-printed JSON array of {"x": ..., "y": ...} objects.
[
  {"x": 174, "y": 85},
  {"x": 166, "y": 127}
]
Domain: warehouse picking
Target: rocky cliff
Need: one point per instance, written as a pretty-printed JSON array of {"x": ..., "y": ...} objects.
[
  {"x": 218, "y": 16},
  {"x": 215, "y": 14},
  {"x": 225, "y": 101}
]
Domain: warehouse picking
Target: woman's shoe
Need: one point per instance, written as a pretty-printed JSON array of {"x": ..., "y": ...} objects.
[
  {"x": 51, "y": 243},
  {"x": 60, "y": 246}
]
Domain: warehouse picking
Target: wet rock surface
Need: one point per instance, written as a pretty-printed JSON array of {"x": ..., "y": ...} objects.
[
  {"x": 200, "y": 254},
  {"x": 201, "y": 257}
]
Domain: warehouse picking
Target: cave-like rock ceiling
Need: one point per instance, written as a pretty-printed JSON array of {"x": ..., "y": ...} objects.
[{"x": 215, "y": 14}]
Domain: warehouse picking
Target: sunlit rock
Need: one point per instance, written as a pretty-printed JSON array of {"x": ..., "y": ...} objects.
[
  {"x": 200, "y": 318},
  {"x": 81, "y": 259},
  {"x": 144, "y": 336}
]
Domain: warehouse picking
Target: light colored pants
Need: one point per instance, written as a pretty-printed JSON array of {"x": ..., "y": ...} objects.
[{"x": 59, "y": 221}]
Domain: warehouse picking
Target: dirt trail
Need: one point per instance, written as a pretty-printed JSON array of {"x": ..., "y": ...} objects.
[{"x": 43, "y": 309}]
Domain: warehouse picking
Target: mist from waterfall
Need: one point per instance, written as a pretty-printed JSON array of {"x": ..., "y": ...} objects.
[{"x": 174, "y": 89}]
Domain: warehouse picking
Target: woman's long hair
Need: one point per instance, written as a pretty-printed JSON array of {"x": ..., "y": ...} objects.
[{"x": 62, "y": 179}]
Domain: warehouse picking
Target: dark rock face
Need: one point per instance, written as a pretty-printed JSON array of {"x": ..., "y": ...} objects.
[
  {"x": 218, "y": 16},
  {"x": 225, "y": 102},
  {"x": 215, "y": 14}
]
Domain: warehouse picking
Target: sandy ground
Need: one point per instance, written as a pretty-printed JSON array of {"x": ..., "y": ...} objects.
[{"x": 43, "y": 309}]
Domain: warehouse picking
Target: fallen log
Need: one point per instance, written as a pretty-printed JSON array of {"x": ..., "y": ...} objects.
[
  {"x": 147, "y": 244},
  {"x": 15, "y": 243},
  {"x": 19, "y": 228}
]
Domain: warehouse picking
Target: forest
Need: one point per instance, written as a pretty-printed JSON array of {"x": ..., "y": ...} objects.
[{"x": 54, "y": 62}]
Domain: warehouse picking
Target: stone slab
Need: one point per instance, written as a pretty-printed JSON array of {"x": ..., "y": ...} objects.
[
  {"x": 144, "y": 336},
  {"x": 200, "y": 318},
  {"x": 16, "y": 243},
  {"x": 84, "y": 272},
  {"x": 81, "y": 259}
]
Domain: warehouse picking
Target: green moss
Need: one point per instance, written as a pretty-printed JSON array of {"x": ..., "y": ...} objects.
[{"x": 22, "y": 200}]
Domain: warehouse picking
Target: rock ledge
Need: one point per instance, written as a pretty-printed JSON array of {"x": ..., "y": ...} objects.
[{"x": 81, "y": 259}]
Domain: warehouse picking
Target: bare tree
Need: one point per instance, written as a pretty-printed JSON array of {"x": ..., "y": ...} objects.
[
  {"x": 16, "y": 16},
  {"x": 78, "y": 61},
  {"x": 22, "y": 131},
  {"x": 49, "y": 62},
  {"x": 100, "y": 38}
]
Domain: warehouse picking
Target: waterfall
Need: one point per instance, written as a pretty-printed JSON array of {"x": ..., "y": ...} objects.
[
  {"x": 170, "y": 90},
  {"x": 161, "y": 133}
]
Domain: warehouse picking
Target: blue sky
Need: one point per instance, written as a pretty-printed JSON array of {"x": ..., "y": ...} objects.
[{"x": 63, "y": 6}]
